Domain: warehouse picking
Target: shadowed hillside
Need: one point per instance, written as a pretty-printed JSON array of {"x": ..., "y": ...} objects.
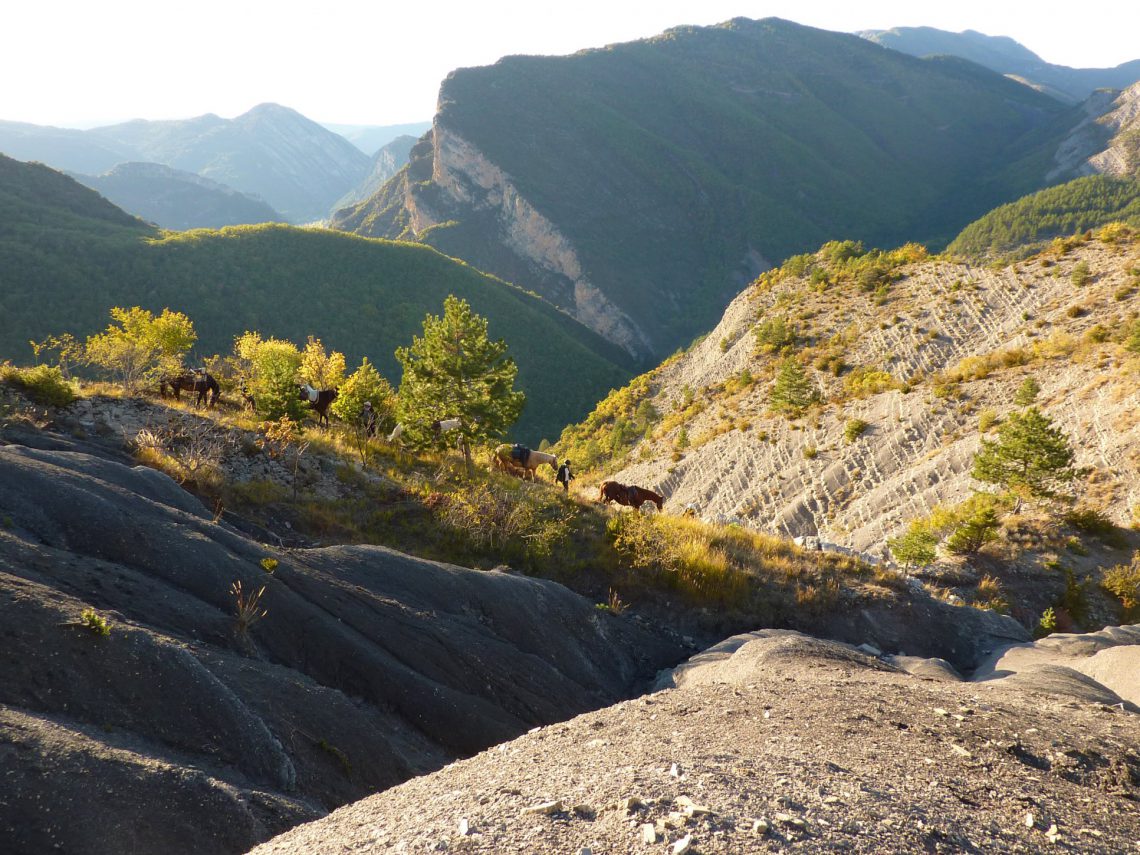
[{"x": 173, "y": 199}]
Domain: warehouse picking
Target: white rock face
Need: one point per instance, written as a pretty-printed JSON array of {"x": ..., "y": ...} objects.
[
  {"x": 463, "y": 173},
  {"x": 1083, "y": 151}
]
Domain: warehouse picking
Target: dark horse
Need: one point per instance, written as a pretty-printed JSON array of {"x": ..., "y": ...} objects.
[
  {"x": 319, "y": 400},
  {"x": 627, "y": 494},
  {"x": 192, "y": 381}
]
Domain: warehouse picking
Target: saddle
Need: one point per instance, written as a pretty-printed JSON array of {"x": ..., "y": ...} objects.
[{"x": 519, "y": 453}]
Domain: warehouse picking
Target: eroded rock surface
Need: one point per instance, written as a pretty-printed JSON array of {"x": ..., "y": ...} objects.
[{"x": 187, "y": 730}]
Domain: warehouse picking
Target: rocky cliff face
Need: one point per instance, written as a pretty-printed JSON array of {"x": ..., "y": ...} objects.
[
  {"x": 1107, "y": 139},
  {"x": 466, "y": 184}
]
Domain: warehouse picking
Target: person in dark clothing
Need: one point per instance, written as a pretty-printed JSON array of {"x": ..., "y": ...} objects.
[
  {"x": 565, "y": 476},
  {"x": 368, "y": 417}
]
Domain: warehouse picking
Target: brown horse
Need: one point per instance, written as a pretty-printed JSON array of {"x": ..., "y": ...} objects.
[
  {"x": 629, "y": 495},
  {"x": 319, "y": 400},
  {"x": 204, "y": 384},
  {"x": 524, "y": 464}
]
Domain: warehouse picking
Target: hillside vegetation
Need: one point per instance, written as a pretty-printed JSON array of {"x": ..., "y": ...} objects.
[
  {"x": 665, "y": 172},
  {"x": 67, "y": 256},
  {"x": 1022, "y": 227}
]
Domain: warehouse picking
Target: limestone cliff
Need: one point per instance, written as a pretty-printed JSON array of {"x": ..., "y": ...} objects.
[{"x": 1107, "y": 139}]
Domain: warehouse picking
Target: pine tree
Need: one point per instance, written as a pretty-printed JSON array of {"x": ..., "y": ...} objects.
[
  {"x": 1027, "y": 392},
  {"x": 455, "y": 371},
  {"x": 792, "y": 392},
  {"x": 1031, "y": 457}
]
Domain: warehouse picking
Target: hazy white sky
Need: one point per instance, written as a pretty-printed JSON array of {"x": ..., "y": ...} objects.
[{"x": 77, "y": 63}]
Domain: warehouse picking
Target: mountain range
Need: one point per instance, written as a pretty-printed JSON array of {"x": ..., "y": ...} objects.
[
  {"x": 641, "y": 185},
  {"x": 299, "y": 168},
  {"x": 1006, "y": 56}
]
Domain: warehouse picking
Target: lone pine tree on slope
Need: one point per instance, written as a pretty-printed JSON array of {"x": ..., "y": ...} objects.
[
  {"x": 455, "y": 371},
  {"x": 1030, "y": 458}
]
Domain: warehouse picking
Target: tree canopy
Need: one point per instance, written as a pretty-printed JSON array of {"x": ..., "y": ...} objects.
[
  {"x": 138, "y": 348},
  {"x": 1031, "y": 457},
  {"x": 455, "y": 371}
]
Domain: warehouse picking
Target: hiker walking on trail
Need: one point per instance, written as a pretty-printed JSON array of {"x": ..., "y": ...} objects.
[
  {"x": 368, "y": 418},
  {"x": 565, "y": 476}
]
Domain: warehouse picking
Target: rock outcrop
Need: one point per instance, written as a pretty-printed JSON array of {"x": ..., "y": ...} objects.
[
  {"x": 784, "y": 742},
  {"x": 206, "y": 727},
  {"x": 1107, "y": 139}
]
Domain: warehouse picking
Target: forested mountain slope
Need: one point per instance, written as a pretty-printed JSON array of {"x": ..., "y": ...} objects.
[
  {"x": 178, "y": 200},
  {"x": 295, "y": 165},
  {"x": 67, "y": 256},
  {"x": 641, "y": 185}
]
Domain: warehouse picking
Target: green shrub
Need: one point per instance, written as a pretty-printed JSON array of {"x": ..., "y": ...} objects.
[
  {"x": 1123, "y": 582},
  {"x": 978, "y": 529},
  {"x": 987, "y": 418},
  {"x": 92, "y": 620},
  {"x": 1081, "y": 274},
  {"x": 1047, "y": 624},
  {"x": 914, "y": 548},
  {"x": 1027, "y": 392},
  {"x": 854, "y": 429},
  {"x": 774, "y": 335},
  {"x": 43, "y": 384}
]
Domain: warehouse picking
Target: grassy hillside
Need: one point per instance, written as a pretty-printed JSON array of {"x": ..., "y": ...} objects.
[
  {"x": 1022, "y": 226},
  {"x": 666, "y": 162},
  {"x": 67, "y": 256}
]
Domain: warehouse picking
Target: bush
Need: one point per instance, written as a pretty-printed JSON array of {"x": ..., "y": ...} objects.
[
  {"x": 1027, "y": 392},
  {"x": 914, "y": 548},
  {"x": 987, "y": 418},
  {"x": 978, "y": 529},
  {"x": 774, "y": 335},
  {"x": 1081, "y": 275},
  {"x": 43, "y": 384},
  {"x": 1123, "y": 582},
  {"x": 863, "y": 381},
  {"x": 854, "y": 429}
]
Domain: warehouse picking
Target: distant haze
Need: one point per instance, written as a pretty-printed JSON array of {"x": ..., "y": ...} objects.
[{"x": 75, "y": 63}]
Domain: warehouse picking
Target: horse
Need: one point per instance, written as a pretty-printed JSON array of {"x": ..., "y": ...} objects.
[
  {"x": 319, "y": 400},
  {"x": 522, "y": 463},
  {"x": 204, "y": 384},
  {"x": 628, "y": 494}
]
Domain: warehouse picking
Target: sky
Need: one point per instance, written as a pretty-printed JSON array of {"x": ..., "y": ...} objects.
[{"x": 81, "y": 63}]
